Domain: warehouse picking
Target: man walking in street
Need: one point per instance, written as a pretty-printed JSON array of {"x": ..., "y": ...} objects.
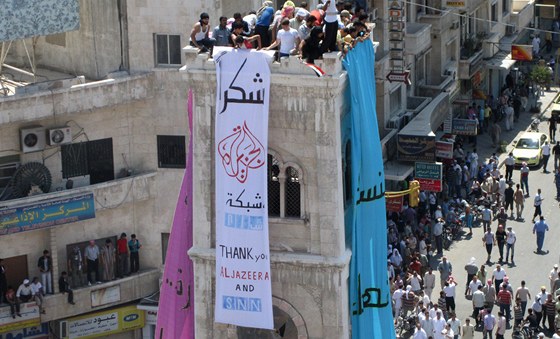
[
  {"x": 488, "y": 240},
  {"x": 438, "y": 232},
  {"x": 504, "y": 300},
  {"x": 445, "y": 269},
  {"x": 524, "y": 172},
  {"x": 510, "y": 163},
  {"x": 546, "y": 155},
  {"x": 539, "y": 229},
  {"x": 508, "y": 198},
  {"x": 519, "y": 200},
  {"x": 537, "y": 204},
  {"x": 429, "y": 282},
  {"x": 489, "y": 323},
  {"x": 471, "y": 269},
  {"x": 498, "y": 274},
  {"x": 486, "y": 217},
  {"x": 511, "y": 238},
  {"x": 523, "y": 295},
  {"x": 478, "y": 300},
  {"x": 556, "y": 152}
]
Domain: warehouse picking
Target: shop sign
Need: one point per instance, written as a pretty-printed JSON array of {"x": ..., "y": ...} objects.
[
  {"x": 30, "y": 317},
  {"x": 151, "y": 317},
  {"x": 106, "y": 296},
  {"x": 394, "y": 204},
  {"x": 455, "y": 4},
  {"x": 100, "y": 324},
  {"x": 522, "y": 52},
  {"x": 46, "y": 214},
  {"x": 464, "y": 127},
  {"x": 416, "y": 148},
  {"x": 444, "y": 149},
  {"x": 34, "y": 332},
  {"x": 427, "y": 170},
  {"x": 431, "y": 185}
]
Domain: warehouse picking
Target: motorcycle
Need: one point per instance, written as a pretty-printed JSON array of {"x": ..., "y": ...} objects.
[{"x": 535, "y": 125}]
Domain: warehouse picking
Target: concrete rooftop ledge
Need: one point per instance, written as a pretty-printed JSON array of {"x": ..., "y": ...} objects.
[
  {"x": 75, "y": 99},
  {"x": 331, "y": 63}
]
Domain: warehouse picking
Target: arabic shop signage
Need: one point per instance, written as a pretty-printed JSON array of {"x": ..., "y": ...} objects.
[
  {"x": 46, "y": 214},
  {"x": 455, "y": 4},
  {"x": 416, "y": 148},
  {"x": 464, "y": 127},
  {"x": 30, "y": 317},
  {"x": 33, "y": 332},
  {"x": 103, "y": 323},
  {"x": 394, "y": 204},
  {"x": 429, "y": 175},
  {"x": 444, "y": 149}
]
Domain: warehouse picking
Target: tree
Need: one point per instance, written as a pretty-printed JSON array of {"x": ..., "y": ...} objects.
[{"x": 540, "y": 75}]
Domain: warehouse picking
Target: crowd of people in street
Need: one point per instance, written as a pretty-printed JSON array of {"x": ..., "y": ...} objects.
[
  {"x": 291, "y": 30},
  {"x": 102, "y": 264}
]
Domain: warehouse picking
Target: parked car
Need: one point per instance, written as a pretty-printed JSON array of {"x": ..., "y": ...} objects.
[{"x": 529, "y": 148}]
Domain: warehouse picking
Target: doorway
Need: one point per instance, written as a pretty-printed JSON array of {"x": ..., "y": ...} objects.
[{"x": 16, "y": 270}]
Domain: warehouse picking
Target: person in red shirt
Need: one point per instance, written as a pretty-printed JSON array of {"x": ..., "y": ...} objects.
[
  {"x": 122, "y": 252},
  {"x": 415, "y": 265},
  {"x": 504, "y": 300}
]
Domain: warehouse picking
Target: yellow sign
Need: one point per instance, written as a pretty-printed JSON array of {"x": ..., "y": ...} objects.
[
  {"x": 103, "y": 323},
  {"x": 455, "y": 4}
]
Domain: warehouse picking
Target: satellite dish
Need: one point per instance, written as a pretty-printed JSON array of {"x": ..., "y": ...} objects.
[{"x": 26, "y": 176}]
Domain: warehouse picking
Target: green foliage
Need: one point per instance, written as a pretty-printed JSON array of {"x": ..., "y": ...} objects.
[{"x": 540, "y": 75}]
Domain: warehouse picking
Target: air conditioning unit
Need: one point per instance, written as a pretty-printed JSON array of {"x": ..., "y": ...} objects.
[
  {"x": 455, "y": 25},
  {"x": 60, "y": 136},
  {"x": 452, "y": 72},
  {"x": 396, "y": 122},
  {"x": 510, "y": 29},
  {"x": 406, "y": 118},
  {"x": 33, "y": 139}
]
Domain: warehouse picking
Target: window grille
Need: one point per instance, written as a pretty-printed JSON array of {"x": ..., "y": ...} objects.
[
  {"x": 273, "y": 187},
  {"x": 293, "y": 197},
  {"x": 171, "y": 151}
]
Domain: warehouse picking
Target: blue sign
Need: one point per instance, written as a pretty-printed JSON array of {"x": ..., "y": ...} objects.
[{"x": 46, "y": 214}]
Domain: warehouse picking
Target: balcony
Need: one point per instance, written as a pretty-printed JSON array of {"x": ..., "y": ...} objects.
[
  {"x": 69, "y": 96},
  {"x": 522, "y": 13},
  {"x": 437, "y": 84},
  {"x": 417, "y": 38},
  {"x": 470, "y": 63},
  {"x": 97, "y": 297},
  {"x": 439, "y": 20}
]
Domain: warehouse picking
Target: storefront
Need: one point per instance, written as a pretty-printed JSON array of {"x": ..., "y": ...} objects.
[{"x": 498, "y": 68}]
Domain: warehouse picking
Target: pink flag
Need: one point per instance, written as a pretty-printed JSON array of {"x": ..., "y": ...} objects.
[{"x": 175, "y": 317}]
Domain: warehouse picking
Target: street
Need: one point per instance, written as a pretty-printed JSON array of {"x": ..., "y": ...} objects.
[{"x": 529, "y": 266}]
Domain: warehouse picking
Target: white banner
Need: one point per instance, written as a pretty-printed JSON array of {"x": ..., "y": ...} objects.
[{"x": 243, "y": 292}]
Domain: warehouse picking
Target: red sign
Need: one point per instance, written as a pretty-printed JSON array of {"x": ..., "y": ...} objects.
[
  {"x": 394, "y": 204},
  {"x": 444, "y": 149},
  {"x": 522, "y": 52},
  {"x": 399, "y": 77},
  {"x": 432, "y": 185}
]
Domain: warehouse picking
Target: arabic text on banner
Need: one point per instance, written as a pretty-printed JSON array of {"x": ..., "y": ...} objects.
[
  {"x": 243, "y": 290},
  {"x": 175, "y": 317},
  {"x": 370, "y": 300}
]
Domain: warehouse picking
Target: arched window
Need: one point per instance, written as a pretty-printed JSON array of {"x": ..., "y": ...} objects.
[
  {"x": 293, "y": 193},
  {"x": 273, "y": 187}
]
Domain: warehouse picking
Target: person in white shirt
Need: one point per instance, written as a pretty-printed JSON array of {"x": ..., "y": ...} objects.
[
  {"x": 511, "y": 238},
  {"x": 449, "y": 290},
  {"x": 37, "y": 289},
  {"x": 427, "y": 323},
  {"x": 546, "y": 155},
  {"x": 448, "y": 333},
  {"x": 474, "y": 284},
  {"x": 501, "y": 326},
  {"x": 24, "y": 291},
  {"x": 397, "y": 301},
  {"x": 538, "y": 202},
  {"x": 478, "y": 301},
  {"x": 498, "y": 274},
  {"x": 287, "y": 38},
  {"x": 489, "y": 323},
  {"x": 438, "y": 324},
  {"x": 455, "y": 325},
  {"x": 552, "y": 276},
  {"x": 419, "y": 332}
]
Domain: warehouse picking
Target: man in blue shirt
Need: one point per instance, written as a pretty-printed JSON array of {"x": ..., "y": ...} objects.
[
  {"x": 221, "y": 33},
  {"x": 540, "y": 228}
]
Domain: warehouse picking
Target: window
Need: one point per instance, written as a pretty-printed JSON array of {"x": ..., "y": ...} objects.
[
  {"x": 293, "y": 193},
  {"x": 164, "y": 245},
  {"x": 273, "y": 187},
  {"x": 172, "y": 151},
  {"x": 505, "y": 9},
  {"x": 167, "y": 49},
  {"x": 420, "y": 68},
  {"x": 8, "y": 166},
  {"x": 284, "y": 189},
  {"x": 395, "y": 100},
  {"x": 93, "y": 158},
  {"x": 494, "y": 13}
]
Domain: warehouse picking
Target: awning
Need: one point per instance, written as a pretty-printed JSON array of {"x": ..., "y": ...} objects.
[
  {"x": 397, "y": 171},
  {"x": 430, "y": 118},
  {"x": 500, "y": 61}
]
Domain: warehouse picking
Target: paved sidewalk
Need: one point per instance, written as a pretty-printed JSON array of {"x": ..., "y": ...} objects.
[{"x": 484, "y": 142}]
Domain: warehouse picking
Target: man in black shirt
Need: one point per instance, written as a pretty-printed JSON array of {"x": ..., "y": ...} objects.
[
  {"x": 556, "y": 152},
  {"x": 64, "y": 287},
  {"x": 508, "y": 198}
]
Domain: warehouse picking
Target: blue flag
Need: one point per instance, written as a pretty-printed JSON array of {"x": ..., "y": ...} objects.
[{"x": 370, "y": 296}]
